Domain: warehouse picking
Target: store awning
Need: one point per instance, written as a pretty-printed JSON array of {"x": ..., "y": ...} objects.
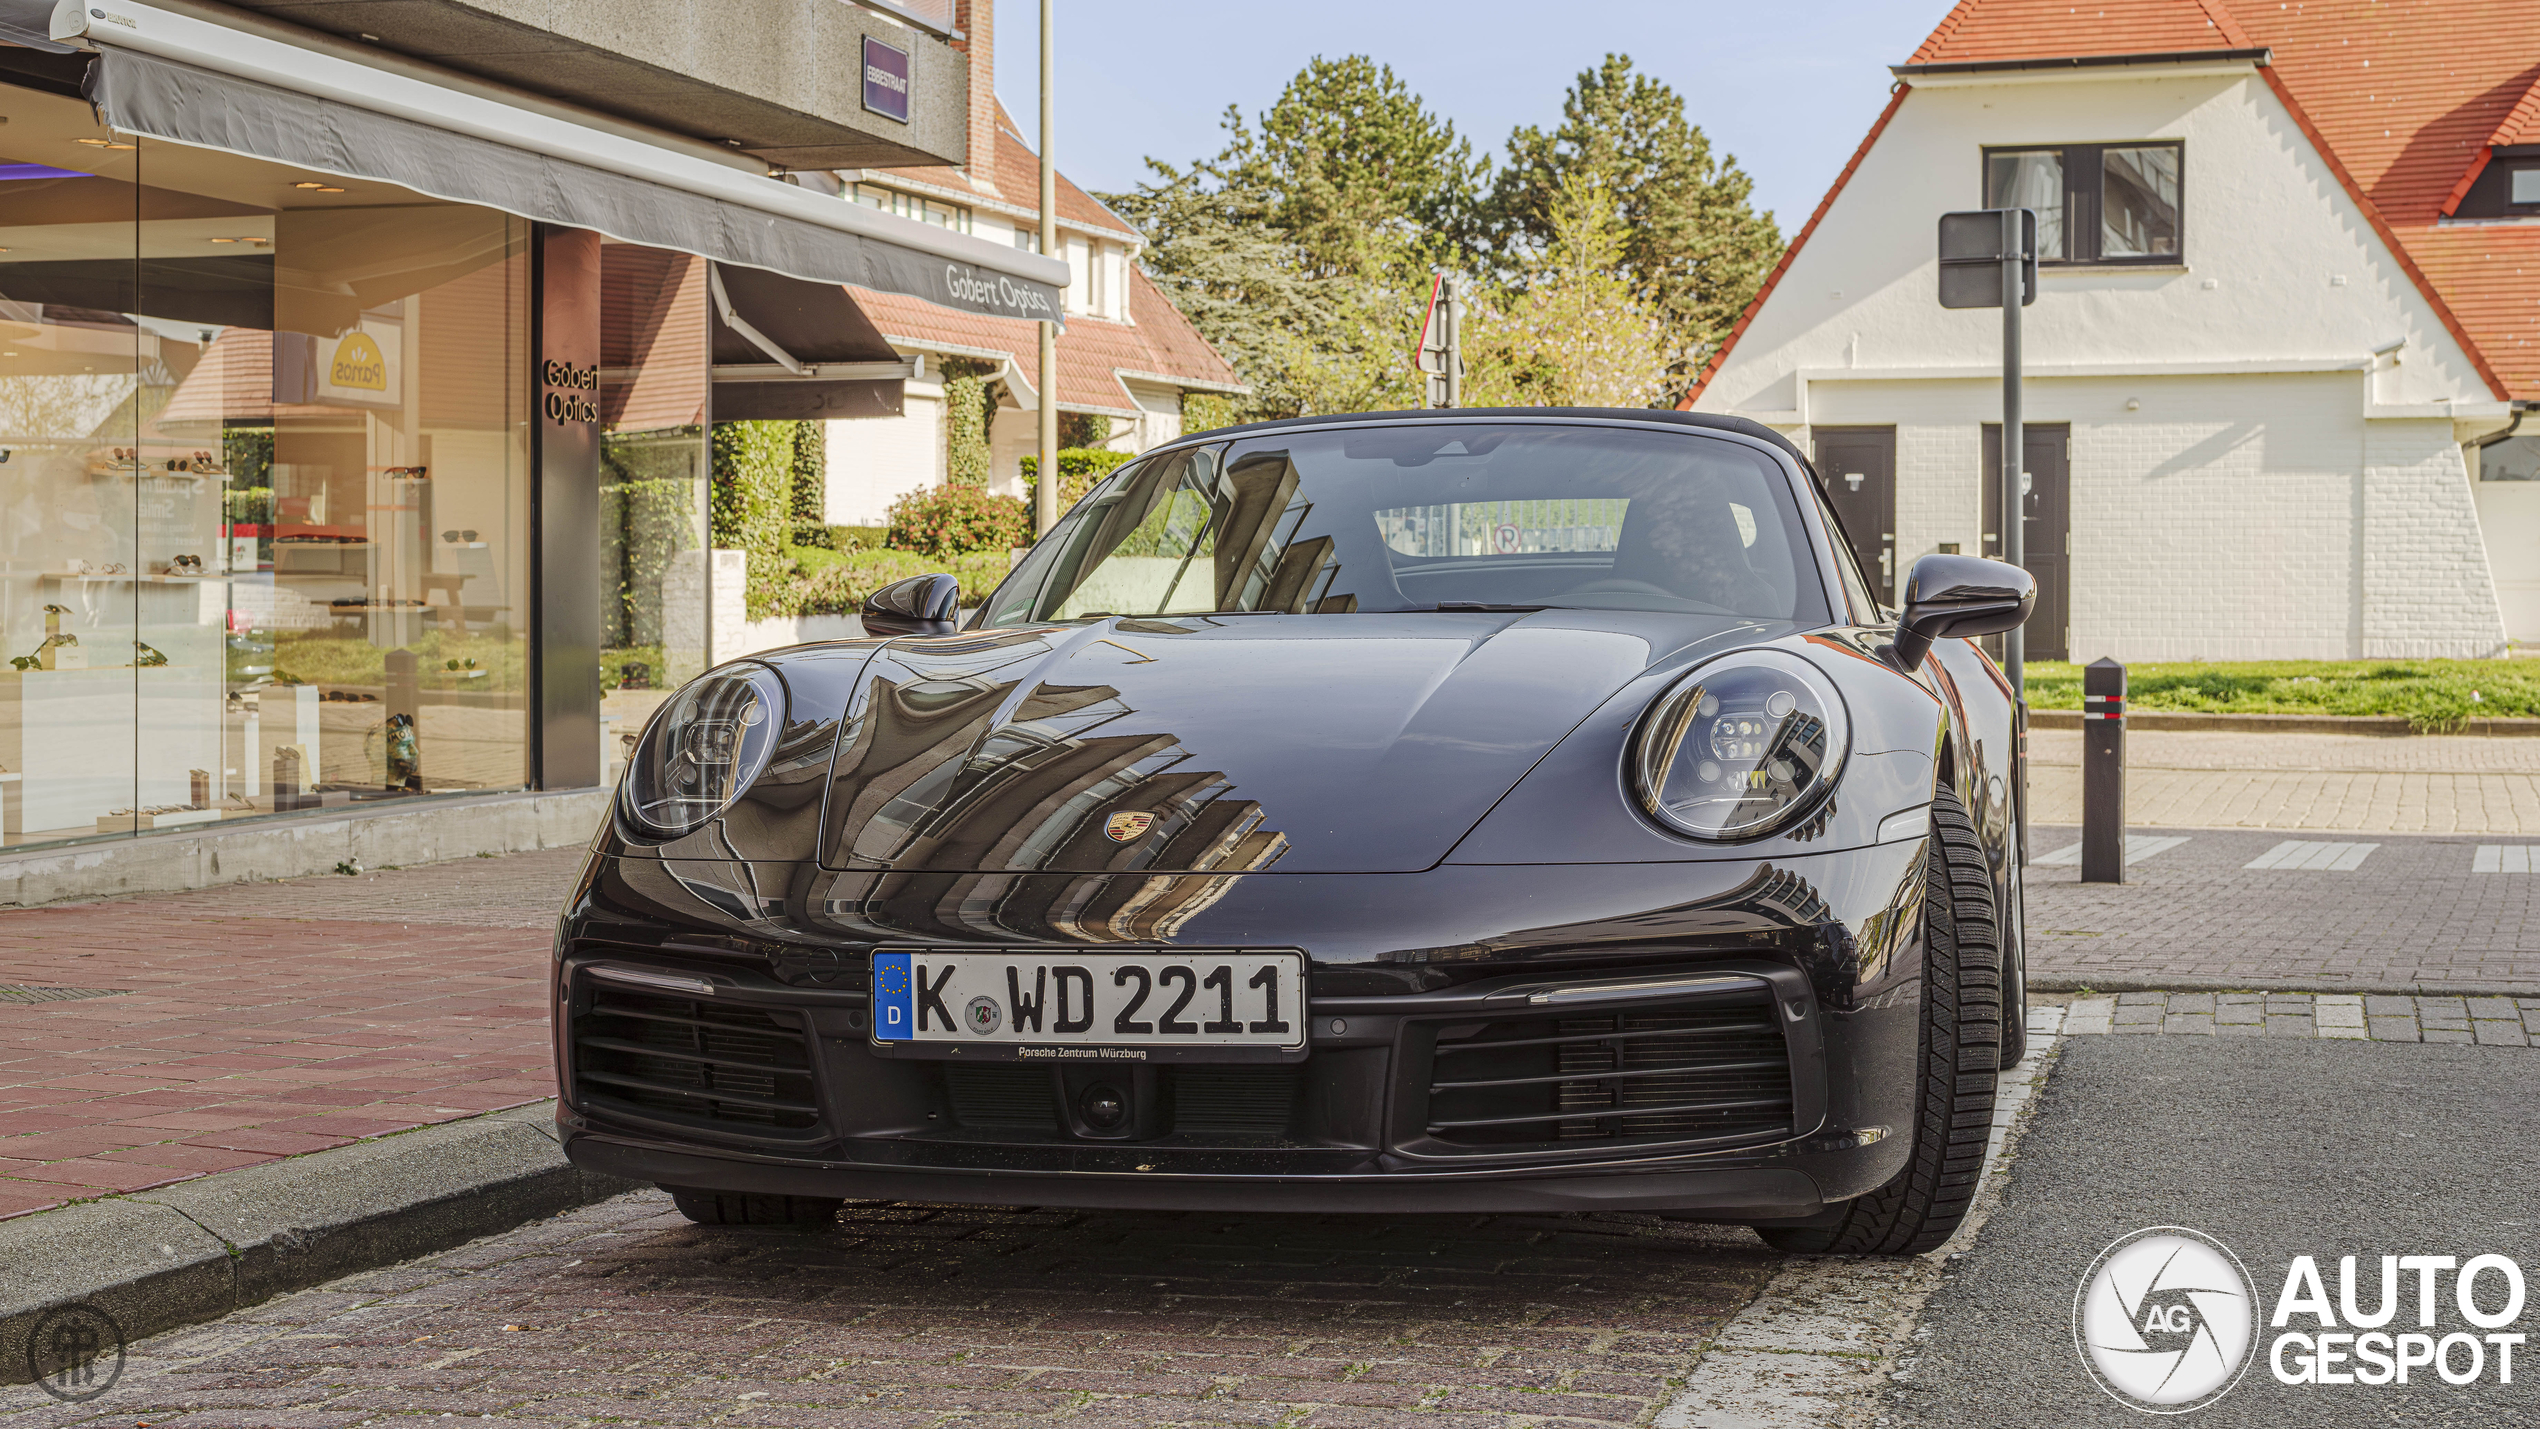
[{"x": 244, "y": 93}]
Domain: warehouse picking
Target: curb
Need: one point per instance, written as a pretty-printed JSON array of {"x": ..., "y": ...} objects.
[
  {"x": 2065, "y": 983},
  {"x": 2380, "y": 725},
  {"x": 197, "y": 1250}
]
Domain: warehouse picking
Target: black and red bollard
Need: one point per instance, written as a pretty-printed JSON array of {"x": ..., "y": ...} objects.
[{"x": 2103, "y": 772}]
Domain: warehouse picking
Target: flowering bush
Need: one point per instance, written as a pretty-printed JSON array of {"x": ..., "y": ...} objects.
[{"x": 957, "y": 520}]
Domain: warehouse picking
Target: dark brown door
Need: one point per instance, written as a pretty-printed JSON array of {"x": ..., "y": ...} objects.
[
  {"x": 1859, "y": 467},
  {"x": 2046, "y": 535}
]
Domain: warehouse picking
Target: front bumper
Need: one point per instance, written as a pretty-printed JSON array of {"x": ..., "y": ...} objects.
[{"x": 1430, "y": 1083}]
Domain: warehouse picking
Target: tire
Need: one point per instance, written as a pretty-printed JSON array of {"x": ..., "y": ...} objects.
[
  {"x": 1958, "y": 1060},
  {"x": 736, "y": 1208},
  {"x": 2014, "y": 925}
]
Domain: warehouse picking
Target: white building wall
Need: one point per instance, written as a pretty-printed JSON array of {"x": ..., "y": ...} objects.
[
  {"x": 875, "y": 460},
  {"x": 2427, "y": 590},
  {"x": 2243, "y": 507},
  {"x": 2509, "y": 517}
]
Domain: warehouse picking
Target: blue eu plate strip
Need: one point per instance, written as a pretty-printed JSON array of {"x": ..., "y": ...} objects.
[{"x": 894, "y": 997}]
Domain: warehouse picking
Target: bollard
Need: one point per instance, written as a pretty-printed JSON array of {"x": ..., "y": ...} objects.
[{"x": 2103, "y": 772}]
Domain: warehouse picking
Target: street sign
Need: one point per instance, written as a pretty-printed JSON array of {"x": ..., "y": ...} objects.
[
  {"x": 1439, "y": 357},
  {"x": 1971, "y": 258}
]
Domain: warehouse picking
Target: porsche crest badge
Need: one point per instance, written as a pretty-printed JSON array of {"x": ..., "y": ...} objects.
[{"x": 1121, "y": 828}]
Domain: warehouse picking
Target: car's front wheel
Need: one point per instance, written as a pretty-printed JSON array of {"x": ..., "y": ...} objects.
[
  {"x": 1960, "y": 1053},
  {"x": 735, "y": 1208}
]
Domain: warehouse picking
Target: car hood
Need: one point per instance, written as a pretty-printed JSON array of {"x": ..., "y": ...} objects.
[{"x": 1327, "y": 743}]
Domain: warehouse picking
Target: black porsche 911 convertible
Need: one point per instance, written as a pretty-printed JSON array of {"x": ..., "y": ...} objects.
[{"x": 1443, "y": 811}]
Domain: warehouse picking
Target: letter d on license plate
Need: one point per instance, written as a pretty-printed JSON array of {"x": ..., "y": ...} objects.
[{"x": 1033, "y": 1005}]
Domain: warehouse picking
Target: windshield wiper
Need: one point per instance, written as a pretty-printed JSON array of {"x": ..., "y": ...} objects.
[{"x": 1483, "y": 605}]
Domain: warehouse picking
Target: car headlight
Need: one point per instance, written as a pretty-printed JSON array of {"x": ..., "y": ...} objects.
[
  {"x": 1740, "y": 747},
  {"x": 704, "y": 749}
]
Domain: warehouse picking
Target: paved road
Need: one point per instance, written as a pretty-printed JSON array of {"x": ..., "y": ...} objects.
[
  {"x": 2414, "y": 912},
  {"x": 2419, "y": 784},
  {"x": 2276, "y": 1147}
]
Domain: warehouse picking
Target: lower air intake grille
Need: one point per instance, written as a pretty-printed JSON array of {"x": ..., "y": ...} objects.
[
  {"x": 1688, "y": 1073},
  {"x": 1005, "y": 1098},
  {"x": 693, "y": 1061},
  {"x": 1232, "y": 1101}
]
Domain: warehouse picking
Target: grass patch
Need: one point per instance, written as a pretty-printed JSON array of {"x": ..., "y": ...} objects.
[{"x": 2432, "y": 695}]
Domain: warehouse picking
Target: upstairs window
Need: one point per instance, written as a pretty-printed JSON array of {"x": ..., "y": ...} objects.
[
  {"x": 2096, "y": 203},
  {"x": 2509, "y": 187},
  {"x": 924, "y": 210}
]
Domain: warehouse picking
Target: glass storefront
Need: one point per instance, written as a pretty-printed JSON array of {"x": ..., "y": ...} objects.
[{"x": 265, "y": 486}]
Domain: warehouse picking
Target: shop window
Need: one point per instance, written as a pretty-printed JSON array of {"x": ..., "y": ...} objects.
[
  {"x": 2109, "y": 204},
  {"x": 916, "y": 206},
  {"x": 263, "y": 509}
]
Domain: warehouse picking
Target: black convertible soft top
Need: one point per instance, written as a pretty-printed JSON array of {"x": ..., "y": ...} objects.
[{"x": 1743, "y": 426}]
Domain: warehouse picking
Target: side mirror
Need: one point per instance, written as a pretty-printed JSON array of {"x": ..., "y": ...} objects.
[
  {"x": 1953, "y": 597},
  {"x": 920, "y": 605}
]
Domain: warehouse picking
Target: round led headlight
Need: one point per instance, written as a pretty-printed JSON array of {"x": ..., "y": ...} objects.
[
  {"x": 704, "y": 748},
  {"x": 1740, "y": 747}
]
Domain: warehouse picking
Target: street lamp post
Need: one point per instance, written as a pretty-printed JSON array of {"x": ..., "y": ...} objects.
[{"x": 1045, "y": 491}]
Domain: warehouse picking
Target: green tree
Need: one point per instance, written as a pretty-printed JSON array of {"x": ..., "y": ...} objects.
[
  {"x": 1694, "y": 248},
  {"x": 1302, "y": 248},
  {"x": 1572, "y": 333}
]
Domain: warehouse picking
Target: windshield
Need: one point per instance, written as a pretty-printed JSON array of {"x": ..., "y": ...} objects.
[{"x": 1430, "y": 515}]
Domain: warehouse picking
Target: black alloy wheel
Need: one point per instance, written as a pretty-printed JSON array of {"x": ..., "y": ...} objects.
[
  {"x": 1960, "y": 1058},
  {"x": 737, "y": 1208}
]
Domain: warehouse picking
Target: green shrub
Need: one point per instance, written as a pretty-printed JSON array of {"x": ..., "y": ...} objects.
[
  {"x": 956, "y": 521},
  {"x": 1078, "y": 469},
  {"x": 814, "y": 580},
  {"x": 753, "y": 497}
]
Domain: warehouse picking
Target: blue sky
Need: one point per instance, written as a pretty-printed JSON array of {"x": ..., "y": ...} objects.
[{"x": 1787, "y": 88}]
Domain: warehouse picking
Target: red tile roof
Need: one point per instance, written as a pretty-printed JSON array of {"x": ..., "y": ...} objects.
[
  {"x": 2404, "y": 98},
  {"x": 1093, "y": 354},
  {"x": 1015, "y": 178}
]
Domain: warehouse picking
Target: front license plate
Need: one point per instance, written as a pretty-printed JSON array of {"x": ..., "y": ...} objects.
[{"x": 1068, "y": 1006}]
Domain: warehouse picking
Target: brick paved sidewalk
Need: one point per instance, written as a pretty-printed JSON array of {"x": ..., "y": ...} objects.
[
  {"x": 2414, "y": 915},
  {"x": 2363, "y": 783},
  {"x": 2330, "y": 1016},
  {"x": 259, "y": 1021}
]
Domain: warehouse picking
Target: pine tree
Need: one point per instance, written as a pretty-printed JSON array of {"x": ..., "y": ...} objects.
[{"x": 1694, "y": 248}]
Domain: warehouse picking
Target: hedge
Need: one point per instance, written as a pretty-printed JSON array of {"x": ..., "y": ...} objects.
[{"x": 813, "y": 580}]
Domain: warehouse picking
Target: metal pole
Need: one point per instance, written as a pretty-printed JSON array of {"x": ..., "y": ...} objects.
[
  {"x": 1045, "y": 496},
  {"x": 2014, "y": 486},
  {"x": 1454, "y": 345},
  {"x": 2103, "y": 772}
]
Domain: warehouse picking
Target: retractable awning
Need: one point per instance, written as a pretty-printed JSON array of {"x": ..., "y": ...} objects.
[{"x": 189, "y": 81}]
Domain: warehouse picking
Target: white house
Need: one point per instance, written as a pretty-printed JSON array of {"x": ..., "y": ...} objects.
[
  {"x": 2290, "y": 303},
  {"x": 1126, "y": 353}
]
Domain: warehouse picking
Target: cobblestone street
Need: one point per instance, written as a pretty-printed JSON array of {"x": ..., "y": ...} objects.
[{"x": 901, "y": 1316}]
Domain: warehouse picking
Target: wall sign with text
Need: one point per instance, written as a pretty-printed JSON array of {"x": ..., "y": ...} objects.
[
  {"x": 572, "y": 392},
  {"x": 886, "y": 79}
]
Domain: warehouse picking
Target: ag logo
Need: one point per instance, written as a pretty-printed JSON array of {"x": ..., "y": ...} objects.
[
  {"x": 983, "y": 1015},
  {"x": 2165, "y": 1320},
  {"x": 1120, "y": 828}
]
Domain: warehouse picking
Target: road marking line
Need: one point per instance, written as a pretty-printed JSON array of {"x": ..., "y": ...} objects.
[
  {"x": 2138, "y": 847},
  {"x": 2502, "y": 858},
  {"x": 2310, "y": 856}
]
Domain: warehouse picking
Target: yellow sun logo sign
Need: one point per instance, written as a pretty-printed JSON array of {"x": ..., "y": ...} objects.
[{"x": 359, "y": 364}]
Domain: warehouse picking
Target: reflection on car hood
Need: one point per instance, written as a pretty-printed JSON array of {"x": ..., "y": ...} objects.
[{"x": 1327, "y": 743}]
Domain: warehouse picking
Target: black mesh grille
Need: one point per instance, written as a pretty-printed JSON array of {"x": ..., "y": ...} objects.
[
  {"x": 1650, "y": 1074},
  {"x": 1233, "y": 1101},
  {"x": 1002, "y": 1097},
  {"x": 695, "y": 1061}
]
